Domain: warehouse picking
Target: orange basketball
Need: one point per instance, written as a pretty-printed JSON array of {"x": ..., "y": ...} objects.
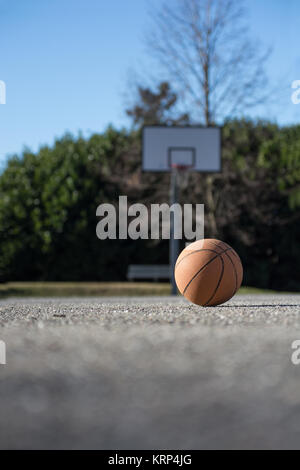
[{"x": 208, "y": 272}]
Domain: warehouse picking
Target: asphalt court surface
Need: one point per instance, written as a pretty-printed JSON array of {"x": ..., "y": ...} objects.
[{"x": 156, "y": 373}]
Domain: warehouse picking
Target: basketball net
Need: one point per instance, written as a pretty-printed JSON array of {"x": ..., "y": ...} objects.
[{"x": 181, "y": 174}]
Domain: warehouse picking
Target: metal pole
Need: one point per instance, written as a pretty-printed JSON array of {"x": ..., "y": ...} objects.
[{"x": 174, "y": 244}]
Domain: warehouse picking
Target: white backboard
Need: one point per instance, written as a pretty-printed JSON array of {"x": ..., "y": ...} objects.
[{"x": 198, "y": 147}]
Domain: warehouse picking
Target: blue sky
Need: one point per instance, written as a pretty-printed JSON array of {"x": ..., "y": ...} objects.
[{"x": 66, "y": 64}]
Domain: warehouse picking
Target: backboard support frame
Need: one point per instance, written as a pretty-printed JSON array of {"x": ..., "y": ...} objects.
[{"x": 205, "y": 143}]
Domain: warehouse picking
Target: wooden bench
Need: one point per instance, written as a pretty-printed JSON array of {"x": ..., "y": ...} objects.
[{"x": 148, "y": 271}]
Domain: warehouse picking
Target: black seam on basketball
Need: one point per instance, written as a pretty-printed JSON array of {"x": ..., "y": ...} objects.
[
  {"x": 222, "y": 247},
  {"x": 235, "y": 274},
  {"x": 203, "y": 267},
  {"x": 235, "y": 254},
  {"x": 225, "y": 245},
  {"x": 192, "y": 252},
  {"x": 218, "y": 284},
  {"x": 233, "y": 265}
]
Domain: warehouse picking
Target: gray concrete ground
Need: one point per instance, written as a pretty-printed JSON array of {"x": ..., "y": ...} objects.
[{"x": 154, "y": 373}]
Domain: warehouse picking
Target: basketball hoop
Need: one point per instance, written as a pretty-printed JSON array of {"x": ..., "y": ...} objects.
[
  {"x": 181, "y": 173},
  {"x": 180, "y": 167},
  {"x": 180, "y": 150}
]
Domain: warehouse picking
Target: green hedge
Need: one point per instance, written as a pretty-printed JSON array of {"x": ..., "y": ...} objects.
[{"x": 48, "y": 206}]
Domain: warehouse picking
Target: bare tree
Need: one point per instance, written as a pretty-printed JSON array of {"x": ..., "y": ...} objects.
[
  {"x": 212, "y": 65},
  {"x": 204, "y": 47}
]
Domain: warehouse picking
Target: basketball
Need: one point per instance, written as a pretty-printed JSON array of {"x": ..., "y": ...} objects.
[{"x": 208, "y": 272}]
